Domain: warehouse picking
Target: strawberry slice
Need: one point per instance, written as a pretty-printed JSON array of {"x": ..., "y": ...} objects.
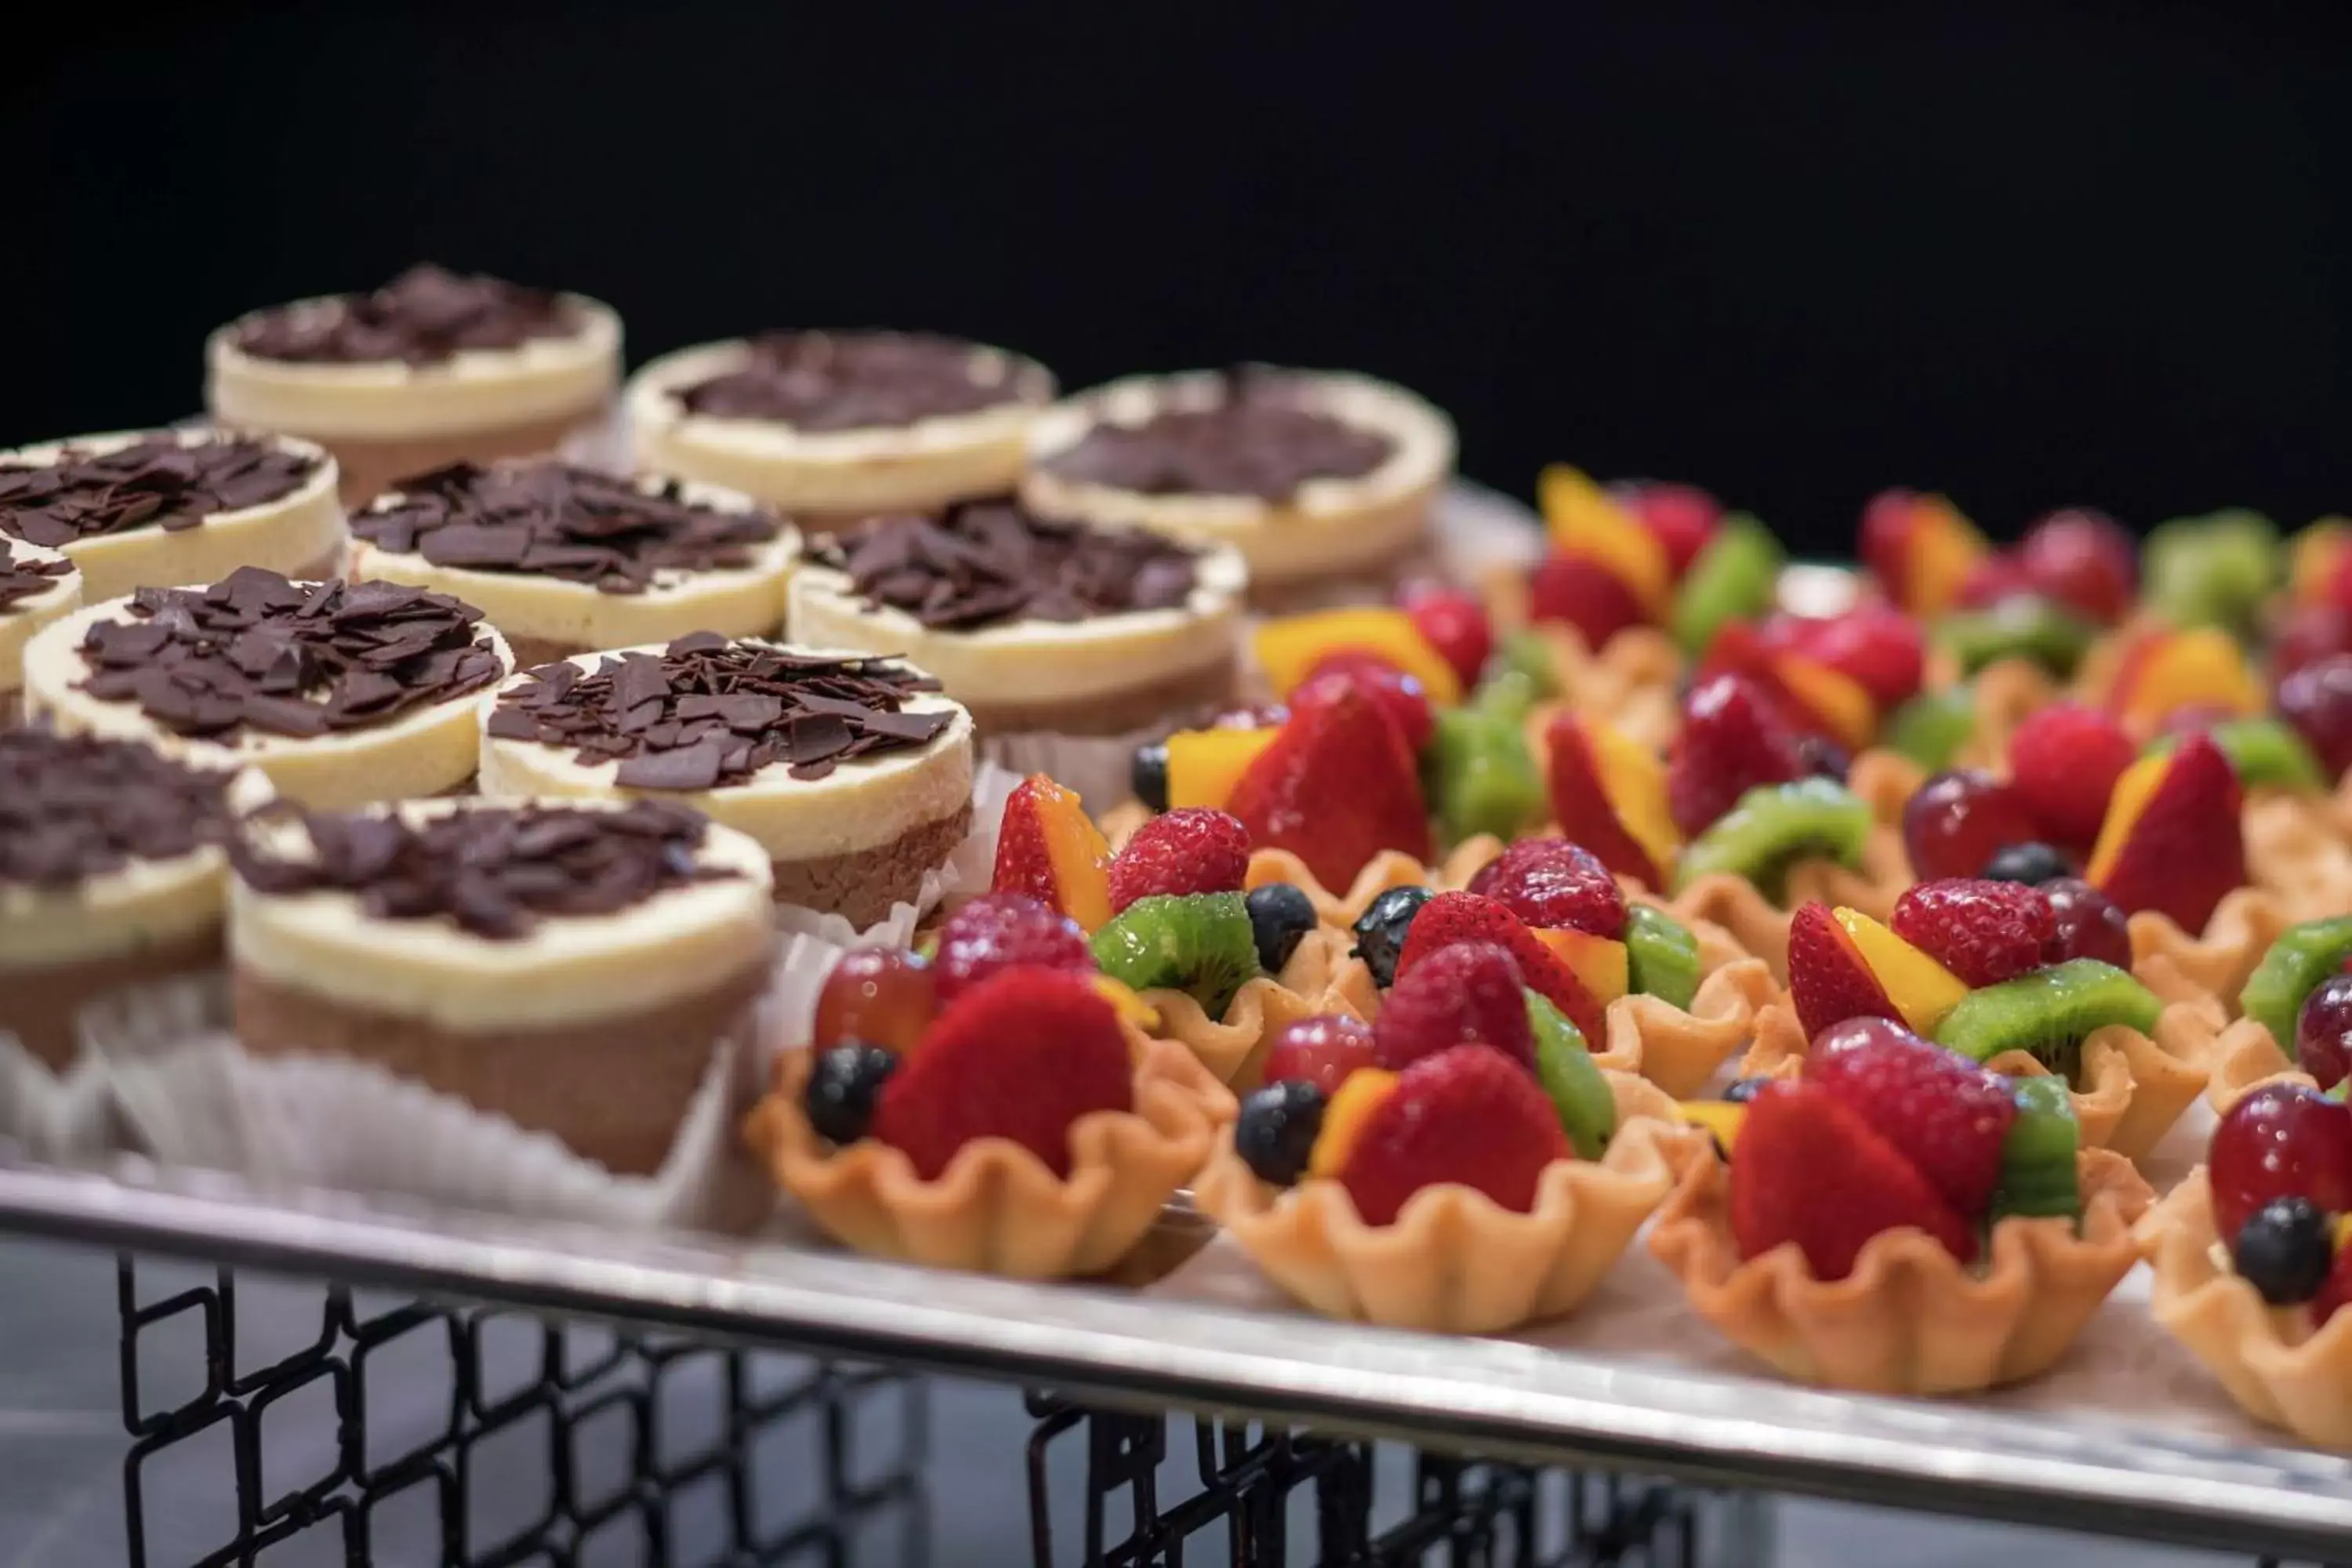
[
  {"x": 1470, "y": 993},
  {"x": 1467, "y": 1116},
  {"x": 1452, "y": 918},
  {"x": 1947, "y": 1114},
  {"x": 1335, "y": 788},
  {"x": 1829, "y": 980},
  {"x": 1814, "y": 1173},
  {"x": 1022, "y": 1054},
  {"x": 2178, "y": 846},
  {"x": 1732, "y": 739}
]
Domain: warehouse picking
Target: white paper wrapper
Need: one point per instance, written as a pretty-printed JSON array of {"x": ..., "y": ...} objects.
[
  {"x": 51, "y": 1115},
  {"x": 964, "y": 873},
  {"x": 193, "y": 1097}
]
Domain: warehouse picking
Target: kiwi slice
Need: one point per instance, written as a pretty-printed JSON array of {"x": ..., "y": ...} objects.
[
  {"x": 1200, "y": 943},
  {"x": 1588, "y": 1111},
  {"x": 1932, "y": 727},
  {"x": 1661, "y": 955},
  {"x": 2212, "y": 571},
  {"x": 1479, "y": 776},
  {"x": 2262, "y": 750},
  {"x": 2038, "y": 1175},
  {"x": 1510, "y": 695},
  {"x": 1772, "y": 826},
  {"x": 2047, "y": 1012},
  {"x": 2023, "y": 627},
  {"x": 1528, "y": 653},
  {"x": 2298, "y": 960},
  {"x": 1733, "y": 579}
]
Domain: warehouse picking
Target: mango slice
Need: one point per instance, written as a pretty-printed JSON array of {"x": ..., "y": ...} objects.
[
  {"x": 1203, "y": 765},
  {"x": 1922, "y": 990},
  {"x": 1288, "y": 646}
]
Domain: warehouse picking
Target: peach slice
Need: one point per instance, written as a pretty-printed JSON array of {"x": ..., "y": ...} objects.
[
  {"x": 1051, "y": 849},
  {"x": 1203, "y": 765},
  {"x": 1833, "y": 697},
  {"x": 1922, "y": 990},
  {"x": 1599, "y": 963},
  {"x": 1287, "y": 647},
  {"x": 1943, "y": 547},
  {"x": 1351, "y": 1106},
  {"x": 2202, "y": 668},
  {"x": 1580, "y": 515}
]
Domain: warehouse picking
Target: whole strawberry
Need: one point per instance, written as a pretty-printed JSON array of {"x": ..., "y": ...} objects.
[
  {"x": 1465, "y": 1117},
  {"x": 1946, "y": 1113},
  {"x": 1469, "y": 992},
  {"x": 1005, "y": 930},
  {"x": 1983, "y": 932},
  {"x": 1732, "y": 739},
  {"x": 1554, "y": 884},
  {"x": 1815, "y": 1173},
  {"x": 1196, "y": 849}
]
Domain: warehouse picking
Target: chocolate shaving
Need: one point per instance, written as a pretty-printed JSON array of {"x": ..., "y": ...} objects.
[
  {"x": 984, "y": 563},
  {"x": 493, "y": 870},
  {"x": 859, "y": 381},
  {"x": 707, "y": 712},
  {"x": 158, "y": 481},
  {"x": 257, "y": 652},
  {"x": 549, "y": 518},
  {"x": 27, "y": 576},
  {"x": 1261, "y": 438},
  {"x": 424, "y": 316},
  {"x": 76, "y": 807}
]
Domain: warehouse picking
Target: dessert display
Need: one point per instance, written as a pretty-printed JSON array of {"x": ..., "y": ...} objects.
[
  {"x": 112, "y": 873},
  {"x": 565, "y": 560},
  {"x": 1902, "y": 1219},
  {"x": 985, "y": 1108},
  {"x": 163, "y": 509},
  {"x": 1322, "y": 482},
  {"x": 431, "y": 369},
  {"x": 1034, "y": 625},
  {"x": 831, "y": 427},
  {"x": 37, "y": 587},
  {"x": 339, "y": 692},
  {"x": 854, "y": 773},
  {"x": 576, "y": 968}
]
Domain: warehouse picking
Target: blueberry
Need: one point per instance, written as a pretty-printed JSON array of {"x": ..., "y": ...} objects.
[
  {"x": 2032, "y": 863},
  {"x": 1822, "y": 758},
  {"x": 843, "y": 1088},
  {"x": 1277, "y": 1130},
  {"x": 2285, "y": 1250},
  {"x": 1147, "y": 774},
  {"x": 1744, "y": 1089},
  {"x": 1380, "y": 931},
  {"x": 1279, "y": 915}
]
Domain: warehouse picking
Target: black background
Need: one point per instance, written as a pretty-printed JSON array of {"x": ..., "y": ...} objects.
[{"x": 2030, "y": 254}]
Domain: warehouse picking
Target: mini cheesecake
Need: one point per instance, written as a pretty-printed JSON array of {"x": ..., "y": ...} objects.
[
  {"x": 1032, "y": 625},
  {"x": 853, "y": 773},
  {"x": 112, "y": 873},
  {"x": 832, "y": 426},
  {"x": 158, "y": 508},
  {"x": 431, "y": 369},
  {"x": 566, "y": 560},
  {"x": 340, "y": 693},
  {"x": 572, "y": 966},
  {"x": 1323, "y": 481},
  {"x": 37, "y": 587}
]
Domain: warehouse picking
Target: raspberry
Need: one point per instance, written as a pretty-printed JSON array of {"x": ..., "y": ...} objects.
[
  {"x": 2083, "y": 561},
  {"x": 1322, "y": 1050},
  {"x": 1195, "y": 851},
  {"x": 2085, "y": 924},
  {"x": 1732, "y": 739},
  {"x": 1552, "y": 883},
  {"x": 1946, "y": 1113},
  {"x": 2065, "y": 760},
  {"x": 1468, "y": 992},
  {"x": 1450, "y": 918},
  {"x": 1983, "y": 932},
  {"x": 1455, "y": 622},
  {"x": 1005, "y": 930},
  {"x": 1576, "y": 588}
]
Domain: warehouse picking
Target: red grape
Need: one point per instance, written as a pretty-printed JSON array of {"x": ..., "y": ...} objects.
[
  {"x": 2323, "y": 1031},
  {"x": 1994, "y": 578},
  {"x": 1959, "y": 820},
  {"x": 875, "y": 996},
  {"x": 2317, "y": 700},
  {"x": 2081, "y": 560},
  {"x": 2309, "y": 634},
  {"x": 2089, "y": 924},
  {"x": 2282, "y": 1141},
  {"x": 1854, "y": 1034},
  {"x": 1321, "y": 1050}
]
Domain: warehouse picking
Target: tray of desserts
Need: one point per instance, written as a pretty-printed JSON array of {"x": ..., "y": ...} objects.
[{"x": 1165, "y": 894}]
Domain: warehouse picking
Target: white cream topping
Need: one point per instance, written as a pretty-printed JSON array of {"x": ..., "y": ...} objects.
[
  {"x": 423, "y": 751},
  {"x": 566, "y": 969},
  {"x": 291, "y": 534},
  {"x": 861, "y": 804},
  {"x": 1029, "y": 662},
  {"x": 388, "y": 400},
  {"x": 21, "y": 619}
]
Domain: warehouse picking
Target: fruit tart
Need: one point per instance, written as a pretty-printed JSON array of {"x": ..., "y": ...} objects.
[
  {"x": 1902, "y": 1219},
  {"x": 1449, "y": 1182},
  {"x": 2029, "y": 981},
  {"x": 987, "y": 1109},
  {"x": 2251, "y": 1261},
  {"x": 2295, "y": 1015}
]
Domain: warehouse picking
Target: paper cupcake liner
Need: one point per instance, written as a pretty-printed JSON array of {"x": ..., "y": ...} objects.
[
  {"x": 1455, "y": 1261},
  {"x": 1910, "y": 1319},
  {"x": 964, "y": 873},
  {"x": 2274, "y": 1365},
  {"x": 2134, "y": 1086},
  {"x": 997, "y": 1209},
  {"x": 52, "y": 1115},
  {"x": 193, "y": 1096}
]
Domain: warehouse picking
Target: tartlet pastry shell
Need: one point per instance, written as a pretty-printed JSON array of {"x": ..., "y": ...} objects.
[
  {"x": 1910, "y": 1319},
  {"x": 997, "y": 1209},
  {"x": 1455, "y": 1261},
  {"x": 1320, "y": 978}
]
